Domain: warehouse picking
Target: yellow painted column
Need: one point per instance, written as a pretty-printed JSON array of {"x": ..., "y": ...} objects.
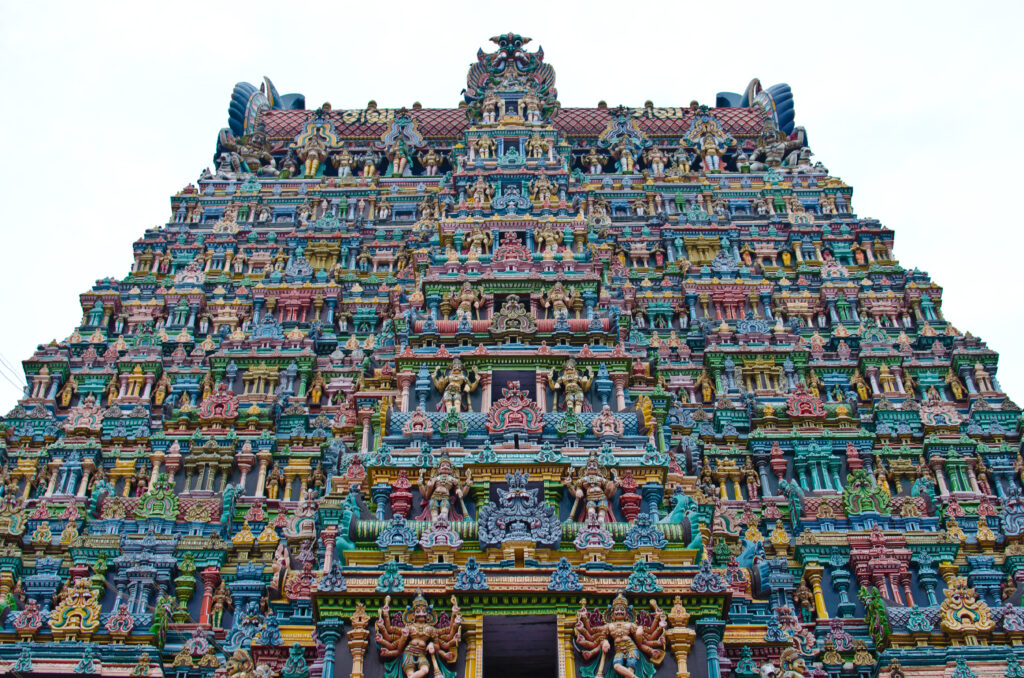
[
  {"x": 566, "y": 658},
  {"x": 814, "y": 573},
  {"x": 473, "y": 634}
]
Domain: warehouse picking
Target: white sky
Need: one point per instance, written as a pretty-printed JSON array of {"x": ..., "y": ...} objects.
[{"x": 107, "y": 109}]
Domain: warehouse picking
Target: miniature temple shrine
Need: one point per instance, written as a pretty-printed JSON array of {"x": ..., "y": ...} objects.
[{"x": 513, "y": 389}]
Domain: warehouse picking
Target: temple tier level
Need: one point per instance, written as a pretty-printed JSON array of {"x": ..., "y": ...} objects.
[{"x": 513, "y": 389}]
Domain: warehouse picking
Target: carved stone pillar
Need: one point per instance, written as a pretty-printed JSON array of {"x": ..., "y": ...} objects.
[
  {"x": 358, "y": 640},
  {"x": 542, "y": 390},
  {"x": 472, "y": 634},
  {"x": 328, "y": 632},
  {"x": 680, "y": 637},
  {"x": 264, "y": 457},
  {"x": 619, "y": 379},
  {"x": 210, "y": 577},
  {"x": 485, "y": 392},
  {"x": 405, "y": 379},
  {"x": 566, "y": 657}
]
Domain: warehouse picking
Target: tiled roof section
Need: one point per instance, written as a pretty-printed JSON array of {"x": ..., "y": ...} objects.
[{"x": 451, "y": 122}]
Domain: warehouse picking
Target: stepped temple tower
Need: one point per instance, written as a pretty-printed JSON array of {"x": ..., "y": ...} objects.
[{"x": 513, "y": 389}]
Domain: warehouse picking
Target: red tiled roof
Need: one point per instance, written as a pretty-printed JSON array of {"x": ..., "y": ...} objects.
[{"x": 451, "y": 122}]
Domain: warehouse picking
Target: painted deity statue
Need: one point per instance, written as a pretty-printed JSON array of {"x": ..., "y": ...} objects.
[
  {"x": 344, "y": 162},
  {"x": 400, "y": 157},
  {"x": 656, "y": 160},
  {"x": 453, "y": 385},
  {"x": 560, "y": 300},
  {"x": 542, "y": 188},
  {"x": 431, "y": 161},
  {"x": 593, "y": 161},
  {"x": 594, "y": 488},
  {"x": 536, "y": 147},
  {"x": 484, "y": 146},
  {"x": 441, "y": 487},
  {"x": 313, "y": 153},
  {"x": 481, "y": 191},
  {"x": 547, "y": 237},
  {"x": 464, "y": 301},
  {"x": 573, "y": 384},
  {"x": 637, "y": 649},
  {"x": 626, "y": 158},
  {"x": 418, "y": 643},
  {"x": 477, "y": 242}
]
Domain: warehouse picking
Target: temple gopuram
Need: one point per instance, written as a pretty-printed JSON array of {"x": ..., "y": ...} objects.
[{"x": 513, "y": 389}]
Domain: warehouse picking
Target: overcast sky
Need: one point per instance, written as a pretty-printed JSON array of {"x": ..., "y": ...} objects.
[{"x": 107, "y": 109}]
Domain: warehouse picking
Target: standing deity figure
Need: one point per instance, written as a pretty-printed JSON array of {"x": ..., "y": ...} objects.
[
  {"x": 491, "y": 107},
  {"x": 594, "y": 488},
  {"x": 400, "y": 157},
  {"x": 536, "y": 147},
  {"x": 478, "y": 241},
  {"x": 573, "y": 384},
  {"x": 593, "y": 161},
  {"x": 441, "y": 487},
  {"x": 655, "y": 159},
  {"x": 623, "y": 153},
  {"x": 541, "y": 189},
  {"x": 637, "y": 649},
  {"x": 71, "y": 387},
  {"x": 419, "y": 642},
  {"x": 531, "y": 107},
  {"x": 221, "y": 601},
  {"x": 682, "y": 160},
  {"x": 560, "y": 300},
  {"x": 752, "y": 480},
  {"x": 955, "y": 385},
  {"x": 369, "y": 161},
  {"x": 312, "y": 153},
  {"x": 481, "y": 190},
  {"x": 344, "y": 162},
  {"x": 547, "y": 238},
  {"x": 886, "y": 379},
  {"x": 982, "y": 379},
  {"x": 431, "y": 161},
  {"x": 453, "y": 385},
  {"x": 485, "y": 146},
  {"x": 857, "y": 381},
  {"x": 465, "y": 300}
]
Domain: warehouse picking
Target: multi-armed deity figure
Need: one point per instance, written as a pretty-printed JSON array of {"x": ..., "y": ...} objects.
[
  {"x": 560, "y": 300},
  {"x": 465, "y": 300},
  {"x": 345, "y": 162},
  {"x": 637, "y": 649},
  {"x": 431, "y": 161},
  {"x": 593, "y": 161},
  {"x": 419, "y": 642},
  {"x": 400, "y": 157},
  {"x": 594, "y": 488},
  {"x": 477, "y": 242},
  {"x": 312, "y": 153},
  {"x": 441, "y": 487},
  {"x": 453, "y": 385},
  {"x": 573, "y": 384}
]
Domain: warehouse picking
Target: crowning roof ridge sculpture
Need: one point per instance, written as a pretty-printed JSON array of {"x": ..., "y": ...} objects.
[{"x": 638, "y": 374}]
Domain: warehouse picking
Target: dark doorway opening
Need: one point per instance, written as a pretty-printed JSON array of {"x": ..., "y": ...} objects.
[
  {"x": 520, "y": 647},
  {"x": 500, "y": 380}
]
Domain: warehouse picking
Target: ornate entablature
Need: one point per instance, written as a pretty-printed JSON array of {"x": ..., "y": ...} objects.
[{"x": 621, "y": 376}]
